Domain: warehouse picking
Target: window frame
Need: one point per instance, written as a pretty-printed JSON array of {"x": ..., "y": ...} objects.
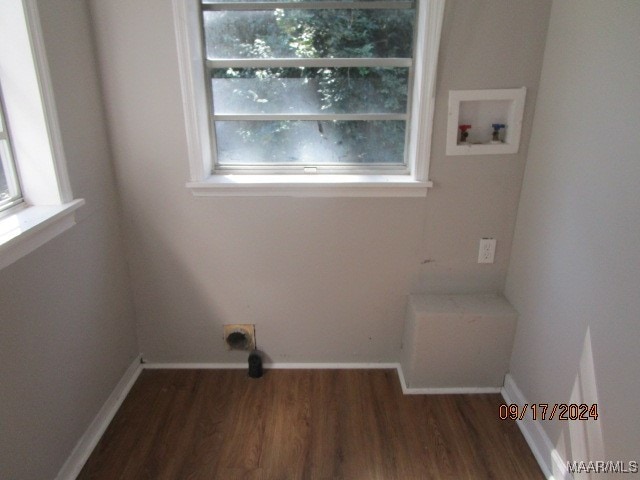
[
  {"x": 319, "y": 62},
  {"x": 48, "y": 207},
  {"x": 206, "y": 180},
  {"x": 7, "y": 158}
]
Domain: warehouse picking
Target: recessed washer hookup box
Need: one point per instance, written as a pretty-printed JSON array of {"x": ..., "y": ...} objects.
[{"x": 457, "y": 341}]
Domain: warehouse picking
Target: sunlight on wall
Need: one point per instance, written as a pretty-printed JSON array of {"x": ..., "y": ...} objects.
[{"x": 585, "y": 442}]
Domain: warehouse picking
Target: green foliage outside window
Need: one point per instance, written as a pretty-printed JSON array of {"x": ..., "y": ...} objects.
[{"x": 342, "y": 33}]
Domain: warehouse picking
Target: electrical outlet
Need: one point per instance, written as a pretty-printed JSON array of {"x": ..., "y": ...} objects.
[{"x": 487, "y": 250}]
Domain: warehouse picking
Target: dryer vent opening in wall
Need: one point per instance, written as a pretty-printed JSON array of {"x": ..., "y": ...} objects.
[{"x": 240, "y": 337}]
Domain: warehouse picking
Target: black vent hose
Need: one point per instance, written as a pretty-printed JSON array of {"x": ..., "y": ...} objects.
[{"x": 255, "y": 365}]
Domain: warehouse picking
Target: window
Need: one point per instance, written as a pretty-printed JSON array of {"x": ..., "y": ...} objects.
[
  {"x": 10, "y": 194},
  {"x": 302, "y": 94},
  {"x": 309, "y": 88},
  {"x": 40, "y": 205}
]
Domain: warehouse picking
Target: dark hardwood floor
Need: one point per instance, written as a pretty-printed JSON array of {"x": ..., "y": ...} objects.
[{"x": 304, "y": 424}]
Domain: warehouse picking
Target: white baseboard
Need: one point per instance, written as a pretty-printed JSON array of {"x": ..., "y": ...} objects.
[
  {"x": 552, "y": 465},
  {"x": 442, "y": 390},
  {"x": 92, "y": 435},
  {"x": 274, "y": 365},
  {"x": 332, "y": 366},
  {"x": 194, "y": 366}
]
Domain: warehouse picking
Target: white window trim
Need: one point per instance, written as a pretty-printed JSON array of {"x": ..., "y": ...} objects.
[
  {"x": 195, "y": 104},
  {"x": 48, "y": 208},
  {"x": 8, "y": 165}
]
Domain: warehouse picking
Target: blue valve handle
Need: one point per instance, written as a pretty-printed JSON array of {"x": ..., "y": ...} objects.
[{"x": 495, "y": 136}]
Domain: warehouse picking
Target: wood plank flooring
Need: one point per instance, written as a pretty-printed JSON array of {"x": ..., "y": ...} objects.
[{"x": 304, "y": 424}]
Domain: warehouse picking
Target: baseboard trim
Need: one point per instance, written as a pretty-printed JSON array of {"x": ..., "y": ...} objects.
[
  {"x": 332, "y": 366},
  {"x": 442, "y": 390},
  {"x": 274, "y": 365},
  {"x": 552, "y": 465},
  {"x": 96, "y": 429},
  {"x": 194, "y": 366}
]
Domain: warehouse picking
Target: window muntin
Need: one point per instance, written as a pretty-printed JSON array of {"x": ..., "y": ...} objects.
[
  {"x": 310, "y": 84},
  {"x": 309, "y": 91},
  {"x": 10, "y": 193}
]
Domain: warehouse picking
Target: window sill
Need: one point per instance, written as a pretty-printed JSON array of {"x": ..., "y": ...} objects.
[
  {"x": 31, "y": 227},
  {"x": 309, "y": 186}
]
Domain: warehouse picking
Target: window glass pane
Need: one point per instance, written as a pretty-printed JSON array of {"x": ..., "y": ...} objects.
[
  {"x": 205, "y": 2},
  {"x": 4, "y": 188},
  {"x": 310, "y": 90},
  {"x": 310, "y": 142},
  {"x": 344, "y": 33},
  {"x": 7, "y": 185}
]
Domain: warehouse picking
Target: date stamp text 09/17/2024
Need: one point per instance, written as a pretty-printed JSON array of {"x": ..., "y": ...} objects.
[
  {"x": 549, "y": 411},
  {"x": 569, "y": 411}
]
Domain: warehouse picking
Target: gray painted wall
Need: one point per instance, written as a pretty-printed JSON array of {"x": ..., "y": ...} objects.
[
  {"x": 67, "y": 329},
  {"x": 322, "y": 279},
  {"x": 575, "y": 267}
]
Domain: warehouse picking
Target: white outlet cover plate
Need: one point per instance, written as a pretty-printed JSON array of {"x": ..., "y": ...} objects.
[{"x": 487, "y": 250}]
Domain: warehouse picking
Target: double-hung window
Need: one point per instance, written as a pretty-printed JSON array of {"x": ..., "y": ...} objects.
[
  {"x": 36, "y": 202},
  {"x": 309, "y": 85},
  {"x": 307, "y": 92}
]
